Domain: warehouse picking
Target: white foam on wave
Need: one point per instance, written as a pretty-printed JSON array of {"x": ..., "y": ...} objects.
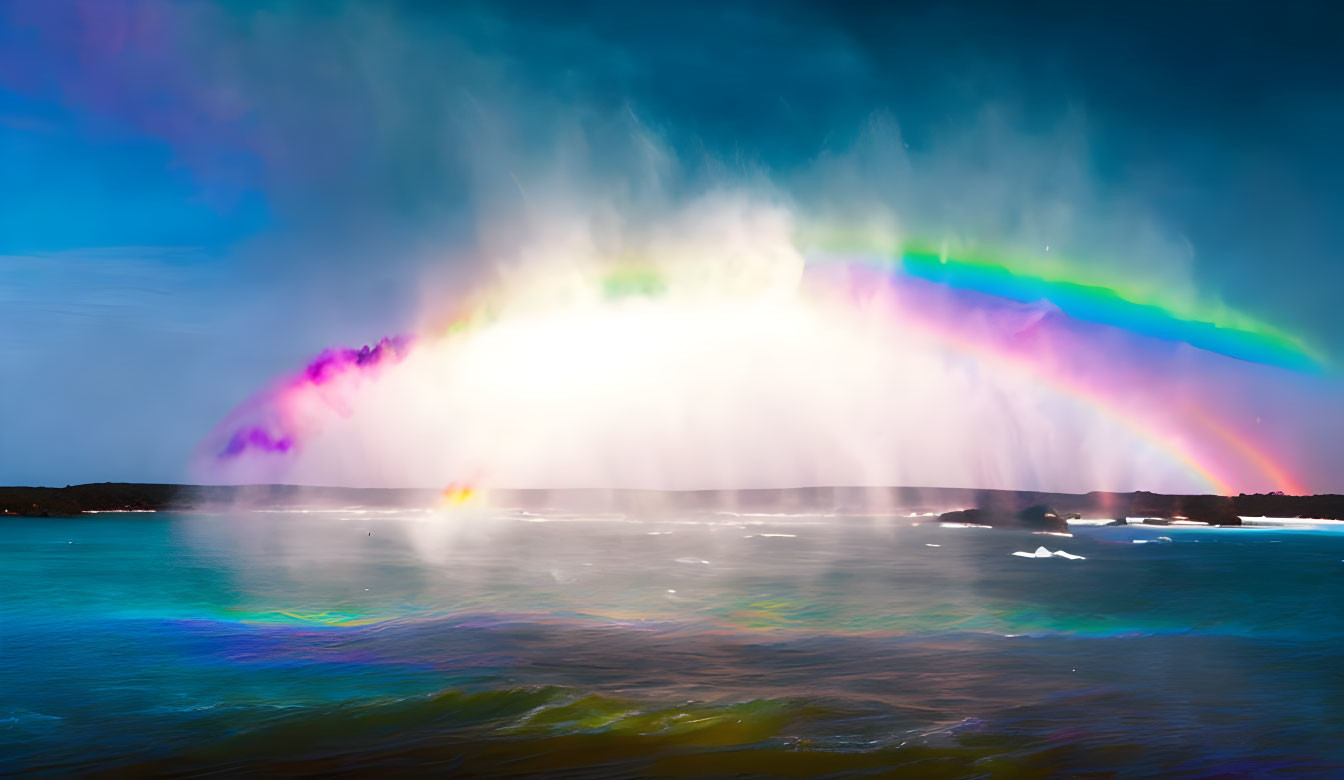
[
  {"x": 1041, "y": 552},
  {"x": 1289, "y": 521}
]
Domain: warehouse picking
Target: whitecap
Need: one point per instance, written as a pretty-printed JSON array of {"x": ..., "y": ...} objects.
[{"x": 1042, "y": 552}]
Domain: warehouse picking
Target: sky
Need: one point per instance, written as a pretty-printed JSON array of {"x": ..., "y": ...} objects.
[{"x": 197, "y": 198}]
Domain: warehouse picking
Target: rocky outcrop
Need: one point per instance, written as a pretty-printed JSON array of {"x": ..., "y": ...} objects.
[
  {"x": 1214, "y": 510},
  {"x": 1037, "y": 517}
]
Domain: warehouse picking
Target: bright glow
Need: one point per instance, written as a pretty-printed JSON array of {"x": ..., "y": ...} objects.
[{"x": 720, "y": 360}]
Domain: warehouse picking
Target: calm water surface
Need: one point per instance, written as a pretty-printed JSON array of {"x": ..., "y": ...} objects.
[{"x": 494, "y": 643}]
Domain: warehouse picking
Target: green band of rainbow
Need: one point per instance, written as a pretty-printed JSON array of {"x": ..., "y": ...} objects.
[{"x": 1243, "y": 340}]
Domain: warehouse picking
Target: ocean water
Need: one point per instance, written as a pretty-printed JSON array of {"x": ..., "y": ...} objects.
[{"x": 504, "y": 643}]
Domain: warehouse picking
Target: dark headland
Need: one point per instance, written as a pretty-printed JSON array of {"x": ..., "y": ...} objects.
[{"x": 999, "y": 508}]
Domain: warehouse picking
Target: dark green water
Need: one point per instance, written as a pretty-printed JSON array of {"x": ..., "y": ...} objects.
[{"x": 496, "y": 643}]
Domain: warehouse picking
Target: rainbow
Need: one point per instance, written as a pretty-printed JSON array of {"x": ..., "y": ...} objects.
[
  {"x": 1010, "y": 355},
  {"x": 1207, "y": 448},
  {"x": 1234, "y": 336},
  {"x": 1247, "y": 449}
]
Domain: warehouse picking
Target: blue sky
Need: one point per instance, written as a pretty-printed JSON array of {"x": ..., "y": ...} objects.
[{"x": 195, "y": 197}]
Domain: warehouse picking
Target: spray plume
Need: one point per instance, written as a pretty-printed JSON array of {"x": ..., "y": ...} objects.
[{"x": 720, "y": 350}]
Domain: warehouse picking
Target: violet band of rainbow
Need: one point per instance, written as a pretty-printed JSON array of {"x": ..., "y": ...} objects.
[
  {"x": 1207, "y": 447},
  {"x": 1244, "y": 340}
]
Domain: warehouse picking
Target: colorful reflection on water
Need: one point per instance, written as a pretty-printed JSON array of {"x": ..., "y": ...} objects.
[{"x": 504, "y": 642}]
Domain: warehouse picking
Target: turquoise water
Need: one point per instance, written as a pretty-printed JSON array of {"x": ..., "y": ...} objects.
[{"x": 503, "y": 643}]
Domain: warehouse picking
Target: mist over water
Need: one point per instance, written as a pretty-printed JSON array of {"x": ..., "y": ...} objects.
[{"x": 710, "y": 349}]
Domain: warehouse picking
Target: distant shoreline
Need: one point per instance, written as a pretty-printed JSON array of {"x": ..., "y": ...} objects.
[{"x": 76, "y": 500}]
